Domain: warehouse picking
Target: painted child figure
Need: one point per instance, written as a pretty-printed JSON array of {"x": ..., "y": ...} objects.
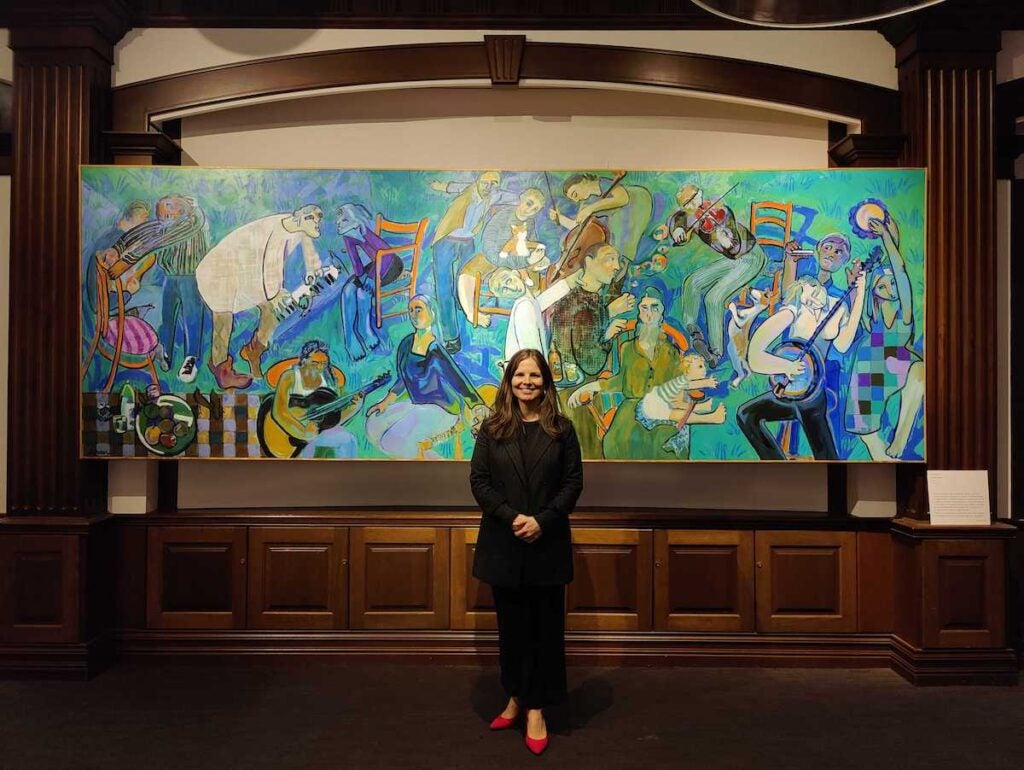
[{"x": 682, "y": 402}]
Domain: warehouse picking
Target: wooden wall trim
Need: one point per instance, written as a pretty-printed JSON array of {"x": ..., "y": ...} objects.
[
  {"x": 877, "y": 108},
  {"x": 392, "y": 516}
]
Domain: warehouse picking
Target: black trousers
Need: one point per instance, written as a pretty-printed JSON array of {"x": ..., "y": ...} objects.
[
  {"x": 531, "y": 643},
  {"x": 813, "y": 417}
]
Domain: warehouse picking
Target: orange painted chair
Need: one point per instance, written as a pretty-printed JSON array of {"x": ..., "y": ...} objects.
[
  {"x": 407, "y": 288},
  {"x": 126, "y": 341}
]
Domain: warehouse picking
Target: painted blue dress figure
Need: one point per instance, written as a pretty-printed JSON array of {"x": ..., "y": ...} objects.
[{"x": 436, "y": 391}]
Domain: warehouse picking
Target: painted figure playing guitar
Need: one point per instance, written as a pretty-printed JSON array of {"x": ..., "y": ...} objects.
[
  {"x": 305, "y": 416},
  {"x": 809, "y": 321}
]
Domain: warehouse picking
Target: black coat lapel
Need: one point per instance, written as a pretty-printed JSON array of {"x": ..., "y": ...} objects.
[
  {"x": 544, "y": 445},
  {"x": 512, "y": 450}
]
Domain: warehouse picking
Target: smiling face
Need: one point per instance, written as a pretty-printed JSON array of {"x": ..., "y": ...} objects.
[{"x": 528, "y": 383}]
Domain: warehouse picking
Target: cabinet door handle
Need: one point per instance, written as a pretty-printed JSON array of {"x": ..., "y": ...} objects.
[
  {"x": 242, "y": 560},
  {"x": 759, "y": 565},
  {"x": 657, "y": 564}
]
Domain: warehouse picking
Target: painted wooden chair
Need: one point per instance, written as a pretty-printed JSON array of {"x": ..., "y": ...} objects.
[
  {"x": 126, "y": 341},
  {"x": 400, "y": 288}
]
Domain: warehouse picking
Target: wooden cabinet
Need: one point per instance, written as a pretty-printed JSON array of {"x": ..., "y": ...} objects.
[
  {"x": 471, "y": 601},
  {"x": 196, "y": 577},
  {"x": 399, "y": 577},
  {"x": 611, "y": 590},
  {"x": 704, "y": 581},
  {"x": 806, "y": 581},
  {"x": 950, "y": 593},
  {"x": 40, "y": 580},
  {"x": 298, "y": 577}
]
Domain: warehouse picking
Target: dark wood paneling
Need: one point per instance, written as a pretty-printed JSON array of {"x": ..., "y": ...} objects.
[
  {"x": 704, "y": 581},
  {"x": 806, "y": 581},
  {"x": 874, "y": 582},
  {"x": 61, "y": 89},
  {"x": 866, "y": 151},
  {"x": 611, "y": 588},
  {"x": 876, "y": 108},
  {"x": 472, "y": 604},
  {"x": 399, "y": 577},
  {"x": 130, "y": 577},
  {"x": 196, "y": 577},
  {"x": 298, "y": 577},
  {"x": 40, "y": 588},
  {"x": 963, "y": 597}
]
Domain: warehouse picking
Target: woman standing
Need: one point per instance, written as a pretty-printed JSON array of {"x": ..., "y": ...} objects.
[{"x": 527, "y": 474}]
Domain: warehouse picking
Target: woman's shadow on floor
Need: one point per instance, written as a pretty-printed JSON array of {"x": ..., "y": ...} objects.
[{"x": 582, "y": 703}]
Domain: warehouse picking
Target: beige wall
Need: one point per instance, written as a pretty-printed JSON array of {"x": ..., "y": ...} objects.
[{"x": 1010, "y": 60}]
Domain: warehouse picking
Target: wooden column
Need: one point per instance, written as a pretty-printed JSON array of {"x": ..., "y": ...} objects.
[
  {"x": 949, "y": 582},
  {"x": 946, "y": 78},
  {"x": 62, "y": 58},
  {"x": 56, "y": 556}
]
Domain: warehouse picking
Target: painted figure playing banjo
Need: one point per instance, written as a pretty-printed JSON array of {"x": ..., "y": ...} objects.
[{"x": 810, "y": 321}]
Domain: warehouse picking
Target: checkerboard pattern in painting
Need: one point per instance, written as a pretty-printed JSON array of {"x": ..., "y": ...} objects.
[
  {"x": 880, "y": 369},
  {"x": 230, "y": 431}
]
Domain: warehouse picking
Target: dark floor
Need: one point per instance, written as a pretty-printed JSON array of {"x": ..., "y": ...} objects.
[{"x": 148, "y": 715}]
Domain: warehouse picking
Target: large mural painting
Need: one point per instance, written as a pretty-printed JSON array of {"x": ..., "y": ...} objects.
[{"x": 338, "y": 314}]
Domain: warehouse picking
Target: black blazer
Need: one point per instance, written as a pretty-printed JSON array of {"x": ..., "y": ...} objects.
[{"x": 548, "y": 491}]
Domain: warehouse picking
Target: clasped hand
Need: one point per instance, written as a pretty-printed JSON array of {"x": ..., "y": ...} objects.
[{"x": 526, "y": 528}]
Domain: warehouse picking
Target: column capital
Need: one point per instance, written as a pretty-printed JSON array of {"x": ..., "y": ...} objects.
[{"x": 46, "y": 26}]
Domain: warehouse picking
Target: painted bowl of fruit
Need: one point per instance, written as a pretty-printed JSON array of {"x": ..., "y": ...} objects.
[{"x": 166, "y": 426}]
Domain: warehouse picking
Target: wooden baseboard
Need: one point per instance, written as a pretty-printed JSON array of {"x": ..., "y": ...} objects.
[
  {"x": 470, "y": 647},
  {"x": 56, "y": 661},
  {"x": 954, "y": 666}
]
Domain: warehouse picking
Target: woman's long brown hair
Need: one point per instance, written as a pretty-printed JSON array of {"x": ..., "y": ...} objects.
[{"x": 506, "y": 419}]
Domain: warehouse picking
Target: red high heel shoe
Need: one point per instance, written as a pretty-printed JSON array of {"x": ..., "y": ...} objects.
[
  {"x": 503, "y": 723},
  {"x": 537, "y": 745}
]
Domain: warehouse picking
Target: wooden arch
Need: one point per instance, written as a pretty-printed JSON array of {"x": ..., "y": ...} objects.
[{"x": 505, "y": 60}]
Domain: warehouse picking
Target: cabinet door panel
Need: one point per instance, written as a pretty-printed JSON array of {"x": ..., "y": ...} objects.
[
  {"x": 471, "y": 601},
  {"x": 807, "y": 581},
  {"x": 704, "y": 581},
  {"x": 196, "y": 577},
  {"x": 399, "y": 577},
  {"x": 298, "y": 577},
  {"x": 611, "y": 590}
]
